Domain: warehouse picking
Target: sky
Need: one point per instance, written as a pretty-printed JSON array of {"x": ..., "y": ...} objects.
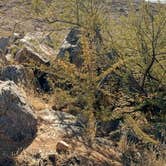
[{"x": 162, "y": 1}]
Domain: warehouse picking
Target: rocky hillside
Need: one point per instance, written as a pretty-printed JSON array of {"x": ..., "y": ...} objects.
[{"x": 85, "y": 92}]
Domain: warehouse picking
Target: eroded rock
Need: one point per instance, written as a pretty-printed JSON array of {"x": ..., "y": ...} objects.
[
  {"x": 72, "y": 46},
  {"x": 32, "y": 47},
  {"x": 17, "y": 120},
  {"x": 4, "y": 42},
  {"x": 62, "y": 121},
  {"x": 15, "y": 73},
  {"x": 28, "y": 54}
]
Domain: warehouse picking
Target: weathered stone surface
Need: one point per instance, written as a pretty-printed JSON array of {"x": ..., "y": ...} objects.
[
  {"x": 28, "y": 54},
  {"x": 4, "y": 42},
  {"x": 35, "y": 47},
  {"x": 15, "y": 73},
  {"x": 17, "y": 120},
  {"x": 71, "y": 45},
  {"x": 39, "y": 41},
  {"x": 62, "y": 121}
]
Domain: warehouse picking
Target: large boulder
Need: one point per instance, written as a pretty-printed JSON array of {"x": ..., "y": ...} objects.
[
  {"x": 35, "y": 47},
  {"x": 17, "y": 120}
]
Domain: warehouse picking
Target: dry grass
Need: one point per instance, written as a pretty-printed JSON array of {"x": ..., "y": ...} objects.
[
  {"x": 137, "y": 130},
  {"x": 147, "y": 157},
  {"x": 38, "y": 101}
]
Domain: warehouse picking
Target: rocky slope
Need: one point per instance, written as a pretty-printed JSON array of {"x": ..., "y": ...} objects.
[
  {"x": 32, "y": 134},
  {"x": 43, "y": 127}
]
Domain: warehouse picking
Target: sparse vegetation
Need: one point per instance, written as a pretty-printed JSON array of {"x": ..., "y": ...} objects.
[{"x": 115, "y": 83}]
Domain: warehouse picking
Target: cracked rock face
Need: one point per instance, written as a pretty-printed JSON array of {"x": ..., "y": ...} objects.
[{"x": 17, "y": 120}]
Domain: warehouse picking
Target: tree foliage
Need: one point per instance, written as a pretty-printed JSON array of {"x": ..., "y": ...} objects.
[{"x": 136, "y": 43}]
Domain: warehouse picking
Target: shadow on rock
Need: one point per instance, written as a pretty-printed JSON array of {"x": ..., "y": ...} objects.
[{"x": 7, "y": 162}]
